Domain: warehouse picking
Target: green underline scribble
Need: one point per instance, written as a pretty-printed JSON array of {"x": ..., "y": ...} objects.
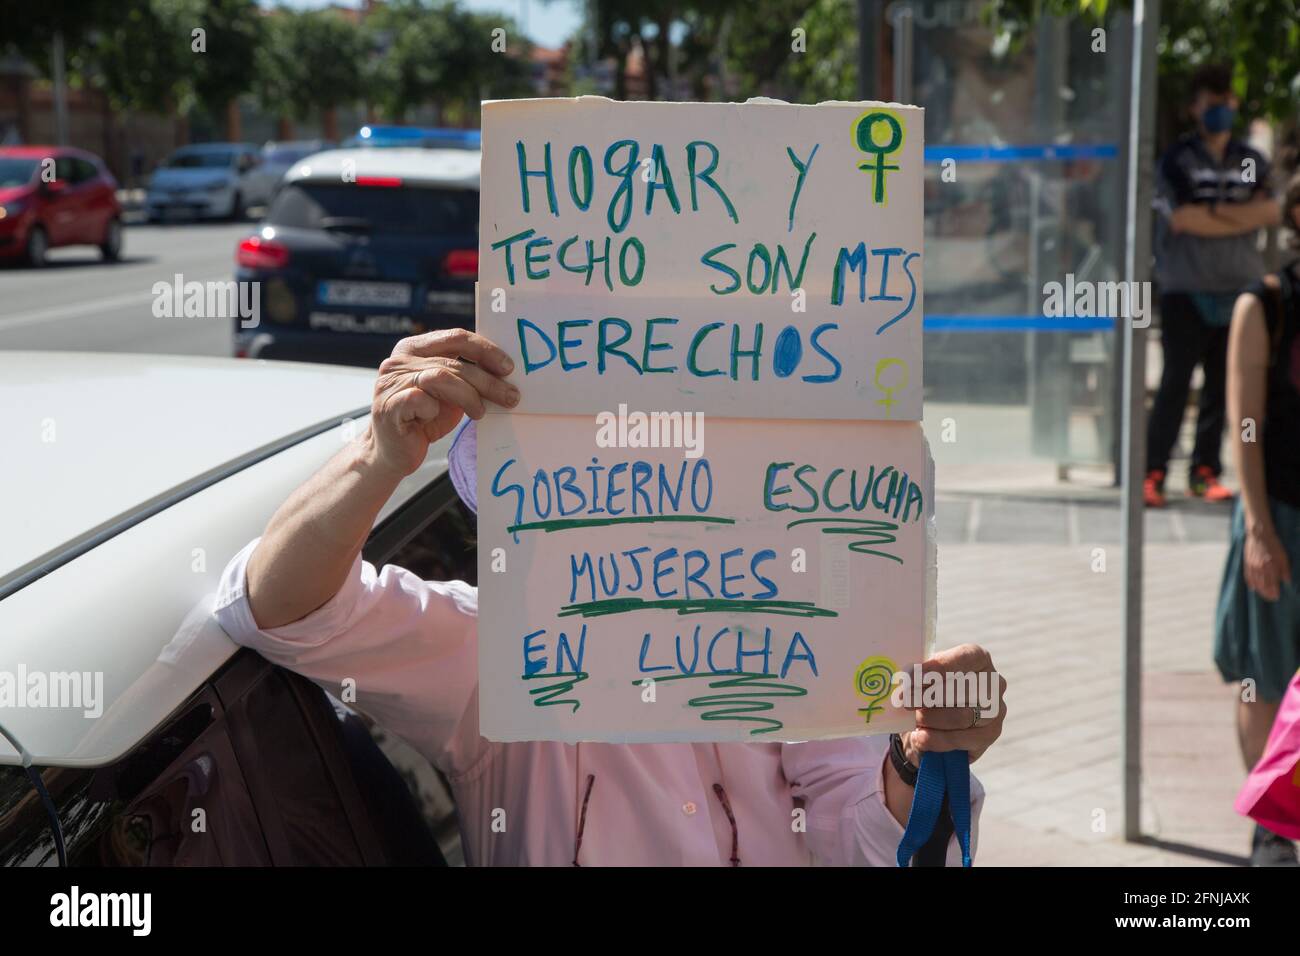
[
  {"x": 695, "y": 606},
  {"x": 876, "y": 532},
  {"x": 564, "y": 524},
  {"x": 738, "y": 704},
  {"x": 546, "y": 696}
]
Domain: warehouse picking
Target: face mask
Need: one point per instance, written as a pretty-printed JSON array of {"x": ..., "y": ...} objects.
[{"x": 1218, "y": 119}]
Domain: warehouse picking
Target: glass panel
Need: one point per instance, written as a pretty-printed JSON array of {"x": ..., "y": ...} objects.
[{"x": 1024, "y": 186}]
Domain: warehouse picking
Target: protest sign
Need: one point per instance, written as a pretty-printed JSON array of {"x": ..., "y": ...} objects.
[
  {"x": 767, "y": 590},
  {"x": 710, "y": 516},
  {"x": 763, "y": 251}
]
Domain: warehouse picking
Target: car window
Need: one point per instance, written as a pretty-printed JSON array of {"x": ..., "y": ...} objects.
[
  {"x": 256, "y": 768},
  {"x": 288, "y": 155},
  {"x": 65, "y": 170},
  {"x": 26, "y": 838},
  {"x": 83, "y": 170},
  {"x": 204, "y": 159},
  {"x": 413, "y": 210},
  {"x": 433, "y": 536},
  {"x": 16, "y": 172}
]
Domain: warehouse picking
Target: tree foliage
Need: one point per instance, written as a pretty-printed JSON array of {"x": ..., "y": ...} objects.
[
  {"x": 308, "y": 61},
  {"x": 725, "y": 49},
  {"x": 1260, "y": 39},
  {"x": 441, "y": 53}
]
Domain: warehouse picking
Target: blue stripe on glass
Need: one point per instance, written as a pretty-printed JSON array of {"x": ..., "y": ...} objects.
[
  {"x": 1012, "y": 154},
  {"x": 1015, "y": 323}
]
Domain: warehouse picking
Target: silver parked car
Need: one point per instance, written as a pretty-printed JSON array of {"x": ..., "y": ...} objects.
[
  {"x": 203, "y": 181},
  {"x": 261, "y": 182}
]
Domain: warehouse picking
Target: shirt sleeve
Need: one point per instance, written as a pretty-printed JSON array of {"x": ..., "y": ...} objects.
[
  {"x": 1263, "y": 176},
  {"x": 401, "y": 649},
  {"x": 842, "y": 785},
  {"x": 1172, "y": 181}
]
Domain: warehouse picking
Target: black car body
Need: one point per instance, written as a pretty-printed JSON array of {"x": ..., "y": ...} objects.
[{"x": 360, "y": 248}]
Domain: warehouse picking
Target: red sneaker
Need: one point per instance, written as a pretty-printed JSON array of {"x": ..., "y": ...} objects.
[
  {"x": 1153, "y": 489},
  {"x": 1204, "y": 483}
]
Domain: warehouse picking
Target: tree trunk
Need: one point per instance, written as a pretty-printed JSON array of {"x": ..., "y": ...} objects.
[
  {"x": 284, "y": 128},
  {"x": 180, "y": 125},
  {"x": 620, "y": 74},
  {"x": 234, "y": 126},
  {"x": 329, "y": 119},
  {"x": 665, "y": 44},
  {"x": 648, "y": 67}
]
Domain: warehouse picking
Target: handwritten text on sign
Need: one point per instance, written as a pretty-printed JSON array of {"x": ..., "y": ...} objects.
[
  {"x": 764, "y": 255},
  {"x": 761, "y": 591}
]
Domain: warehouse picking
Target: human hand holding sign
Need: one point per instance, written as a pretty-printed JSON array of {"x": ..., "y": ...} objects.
[
  {"x": 426, "y": 386},
  {"x": 940, "y": 729},
  {"x": 423, "y": 389}
]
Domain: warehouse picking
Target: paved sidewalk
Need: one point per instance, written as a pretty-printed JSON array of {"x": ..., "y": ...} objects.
[{"x": 1017, "y": 575}]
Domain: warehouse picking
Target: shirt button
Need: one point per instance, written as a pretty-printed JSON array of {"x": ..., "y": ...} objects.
[{"x": 689, "y": 808}]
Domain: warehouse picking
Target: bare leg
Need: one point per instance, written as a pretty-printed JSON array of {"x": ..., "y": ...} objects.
[{"x": 1254, "y": 721}]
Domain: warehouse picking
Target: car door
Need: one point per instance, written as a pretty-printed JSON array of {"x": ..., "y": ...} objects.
[
  {"x": 97, "y": 205},
  {"x": 251, "y": 186},
  {"x": 63, "y": 202},
  {"x": 257, "y": 768},
  {"x": 433, "y": 535}
]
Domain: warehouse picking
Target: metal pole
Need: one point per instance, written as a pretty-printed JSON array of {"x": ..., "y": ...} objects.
[
  {"x": 903, "y": 55},
  {"x": 60, "y": 90},
  {"x": 1137, "y": 253},
  {"x": 868, "y": 48}
]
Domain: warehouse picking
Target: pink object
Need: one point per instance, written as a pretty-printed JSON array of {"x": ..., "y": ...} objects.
[
  {"x": 1271, "y": 794},
  {"x": 411, "y": 646}
]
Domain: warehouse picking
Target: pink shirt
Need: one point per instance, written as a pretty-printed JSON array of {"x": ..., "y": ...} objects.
[{"x": 411, "y": 647}]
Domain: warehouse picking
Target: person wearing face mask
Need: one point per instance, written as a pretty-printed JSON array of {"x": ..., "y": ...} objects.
[{"x": 1213, "y": 191}]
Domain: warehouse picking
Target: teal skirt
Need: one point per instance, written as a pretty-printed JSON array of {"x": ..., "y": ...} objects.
[{"x": 1257, "y": 639}]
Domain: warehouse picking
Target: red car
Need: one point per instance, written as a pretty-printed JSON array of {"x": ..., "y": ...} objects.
[{"x": 56, "y": 196}]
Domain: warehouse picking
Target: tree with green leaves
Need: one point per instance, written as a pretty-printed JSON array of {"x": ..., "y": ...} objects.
[
  {"x": 440, "y": 54},
  {"x": 136, "y": 62},
  {"x": 801, "y": 50},
  {"x": 1259, "y": 39},
  {"x": 309, "y": 63},
  {"x": 223, "y": 69},
  {"x": 275, "y": 72}
]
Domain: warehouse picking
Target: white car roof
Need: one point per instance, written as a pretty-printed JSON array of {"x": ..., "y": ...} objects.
[
  {"x": 219, "y": 444},
  {"x": 91, "y": 437},
  {"x": 424, "y": 167}
]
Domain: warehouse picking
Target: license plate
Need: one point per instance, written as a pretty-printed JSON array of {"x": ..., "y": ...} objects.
[
  {"x": 394, "y": 295},
  {"x": 451, "y": 303}
]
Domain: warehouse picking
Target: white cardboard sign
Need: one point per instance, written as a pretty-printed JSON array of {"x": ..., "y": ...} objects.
[
  {"x": 709, "y": 517},
  {"x": 768, "y": 254},
  {"x": 767, "y": 590}
]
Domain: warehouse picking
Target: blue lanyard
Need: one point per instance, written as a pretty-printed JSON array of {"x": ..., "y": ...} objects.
[{"x": 940, "y": 774}]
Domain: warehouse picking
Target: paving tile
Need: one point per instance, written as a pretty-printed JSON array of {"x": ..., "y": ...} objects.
[{"x": 1053, "y": 628}]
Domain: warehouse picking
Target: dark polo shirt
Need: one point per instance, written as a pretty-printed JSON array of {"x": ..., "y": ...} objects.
[{"x": 1190, "y": 174}]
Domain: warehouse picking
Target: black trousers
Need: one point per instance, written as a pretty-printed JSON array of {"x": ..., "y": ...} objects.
[{"x": 1187, "y": 341}]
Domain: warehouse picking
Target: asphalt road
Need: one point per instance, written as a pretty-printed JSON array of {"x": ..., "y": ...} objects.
[{"x": 78, "y": 303}]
